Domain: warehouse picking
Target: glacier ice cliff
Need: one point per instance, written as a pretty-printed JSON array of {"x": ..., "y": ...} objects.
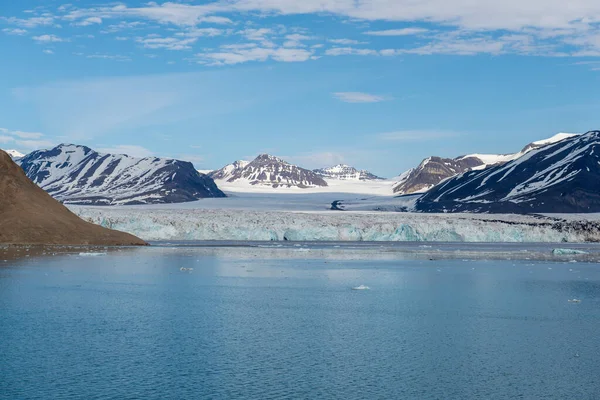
[{"x": 202, "y": 224}]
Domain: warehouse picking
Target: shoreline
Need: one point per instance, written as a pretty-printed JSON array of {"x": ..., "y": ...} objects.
[{"x": 349, "y": 251}]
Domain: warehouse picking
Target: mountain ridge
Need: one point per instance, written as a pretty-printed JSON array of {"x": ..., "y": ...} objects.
[
  {"x": 554, "y": 178},
  {"x": 77, "y": 174}
]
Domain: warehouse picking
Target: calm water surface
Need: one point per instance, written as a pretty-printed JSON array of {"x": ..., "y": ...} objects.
[{"x": 283, "y": 323}]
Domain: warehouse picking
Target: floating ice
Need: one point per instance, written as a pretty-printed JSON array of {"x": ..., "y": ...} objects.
[
  {"x": 361, "y": 287},
  {"x": 92, "y": 254},
  {"x": 183, "y": 269},
  {"x": 564, "y": 252}
]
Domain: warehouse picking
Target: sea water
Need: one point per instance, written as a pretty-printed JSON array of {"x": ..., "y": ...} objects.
[{"x": 281, "y": 321}]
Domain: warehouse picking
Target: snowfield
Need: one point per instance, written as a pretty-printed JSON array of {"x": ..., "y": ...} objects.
[{"x": 179, "y": 223}]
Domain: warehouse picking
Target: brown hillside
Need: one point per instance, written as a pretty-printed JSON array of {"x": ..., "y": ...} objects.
[{"x": 29, "y": 215}]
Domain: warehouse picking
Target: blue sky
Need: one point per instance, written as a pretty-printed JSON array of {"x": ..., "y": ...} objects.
[{"x": 379, "y": 84}]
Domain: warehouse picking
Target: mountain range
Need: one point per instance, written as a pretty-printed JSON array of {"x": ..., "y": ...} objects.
[
  {"x": 434, "y": 170},
  {"x": 267, "y": 170},
  {"x": 557, "y": 177},
  {"x": 531, "y": 180}
]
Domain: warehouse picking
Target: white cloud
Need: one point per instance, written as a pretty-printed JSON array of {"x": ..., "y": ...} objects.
[
  {"x": 123, "y": 25},
  {"x": 129, "y": 149},
  {"x": 168, "y": 43},
  {"x": 416, "y": 135},
  {"x": 565, "y": 23},
  {"x": 238, "y": 55},
  {"x": 345, "y": 42},
  {"x": 359, "y": 97},
  {"x": 47, "y": 39},
  {"x": 89, "y": 21},
  {"x": 350, "y": 51},
  {"x": 33, "y": 22},
  {"x": 398, "y": 32},
  {"x": 114, "y": 57},
  {"x": 14, "y": 31}
]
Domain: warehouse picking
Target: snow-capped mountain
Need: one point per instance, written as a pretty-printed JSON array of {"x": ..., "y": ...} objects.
[
  {"x": 346, "y": 173},
  {"x": 434, "y": 170},
  {"x": 267, "y": 170},
  {"x": 229, "y": 170},
  {"x": 79, "y": 175},
  {"x": 14, "y": 154},
  {"x": 557, "y": 177}
]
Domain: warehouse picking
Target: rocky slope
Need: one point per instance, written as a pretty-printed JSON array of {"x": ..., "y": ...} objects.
[{"x": 29, "y": 215}]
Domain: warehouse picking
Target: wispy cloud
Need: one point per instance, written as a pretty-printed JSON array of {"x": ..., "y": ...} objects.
[
  {"x": 24, "y": 141},
  {"x": 351, "y": 51},
  {"x": 89, "y": 21},
  {"x": 238, "y": 55},
  {"x": 22, "y": 134},
  {"x": 345, "y": 42},
  {"x": 33, "y": 22},
  {"x": 167, "y": 43},
  {"x": 14, "y": 31},
  {"x": 359, "y": 97},
  {"x": 114, "y": 57},
  {"x": 416, "y": 135},
  {"x": 460, "y": 27},
  {"x": 47, "y": 39},
  {"x": 398, "y": 32}
]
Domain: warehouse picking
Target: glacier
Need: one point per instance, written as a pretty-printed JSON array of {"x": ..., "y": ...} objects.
[{"x": 173, "y": 224}]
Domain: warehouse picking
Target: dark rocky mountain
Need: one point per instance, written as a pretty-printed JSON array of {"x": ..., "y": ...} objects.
[
  {"x": 563, "y": 177},
  {"x": 267, "y": 170},
  {"x": 346, "y": 173},
  {"x": 79, "y": 175},
  {"x": 28, "y": 215},
  {"x": 434, "y": 170}
]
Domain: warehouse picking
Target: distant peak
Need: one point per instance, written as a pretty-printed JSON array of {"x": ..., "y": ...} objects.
[{"x": 267, "y": 157}]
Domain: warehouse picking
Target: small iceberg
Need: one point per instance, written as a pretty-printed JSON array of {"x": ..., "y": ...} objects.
[
  {"x": 563, "y": 252},
  {"x": 91, "y": 254},
  {"x": 574, "y": 301},
  {"x": 361, "y": 287}
]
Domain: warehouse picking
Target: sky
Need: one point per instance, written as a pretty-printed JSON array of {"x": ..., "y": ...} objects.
[{"x": 377, "y": 84}]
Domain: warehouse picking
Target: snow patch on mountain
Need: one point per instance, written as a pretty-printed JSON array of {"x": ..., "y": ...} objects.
[{"x": 14, "y": 154}]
